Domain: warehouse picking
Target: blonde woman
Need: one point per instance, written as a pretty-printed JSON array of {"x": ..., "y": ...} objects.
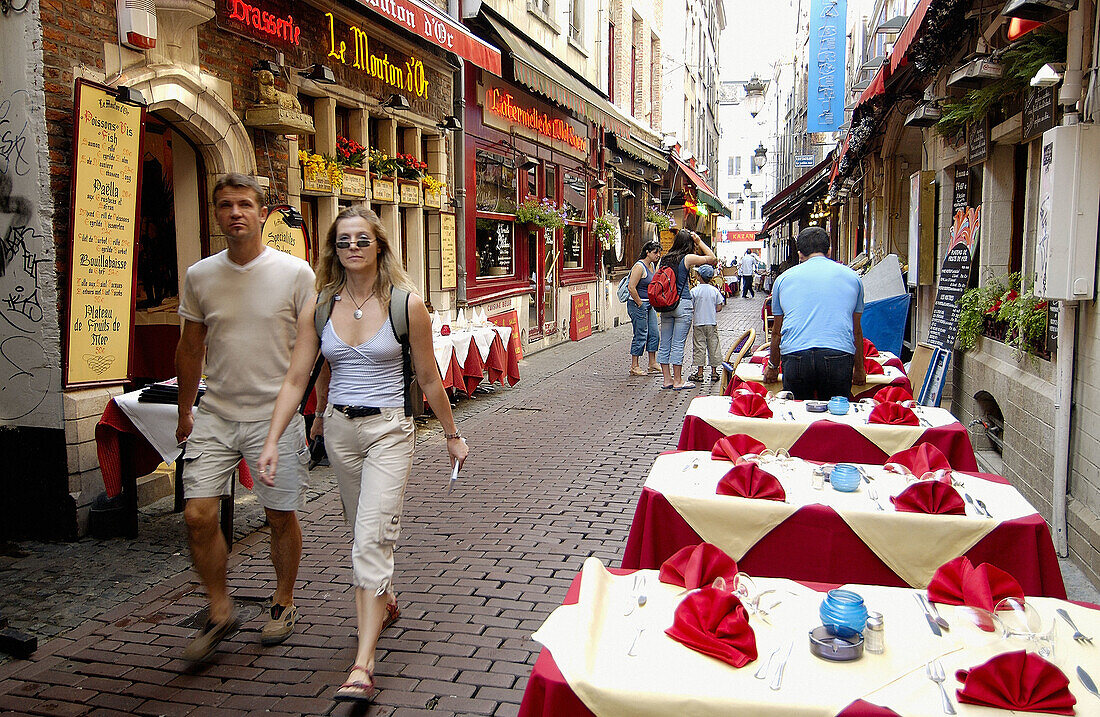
[{"x": 364, "y": 410}]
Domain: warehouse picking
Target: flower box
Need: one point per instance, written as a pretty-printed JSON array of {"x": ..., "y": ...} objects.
[
  {"x": 383, "y": 189},
  {"x": 409, "y": 191},
  {"x": 433, "y": 200},
  {"x": 316, "y": 182},
  {"x": 355, "y": 183}
]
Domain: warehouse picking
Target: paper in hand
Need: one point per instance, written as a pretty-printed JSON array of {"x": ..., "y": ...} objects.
[{"x": 454, "y": 477}]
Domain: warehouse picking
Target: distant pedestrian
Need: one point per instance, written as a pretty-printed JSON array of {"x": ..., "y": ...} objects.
[
  {"x": 746, "y": 269},
  {"x": 687, "y": 252},
  {"x": 376, "y": 333},
  {"x": 647, "y": 331},
  {"x": 817, "y": 333},
  {"x": 707, "y": 301},
  {"x": 243, "y": 309}
]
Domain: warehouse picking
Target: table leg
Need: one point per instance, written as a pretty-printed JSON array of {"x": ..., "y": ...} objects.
[{"x": 129, "y": 487}]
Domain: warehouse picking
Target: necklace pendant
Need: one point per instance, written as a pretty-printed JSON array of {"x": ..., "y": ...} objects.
[{"x": 358, "y": 314}]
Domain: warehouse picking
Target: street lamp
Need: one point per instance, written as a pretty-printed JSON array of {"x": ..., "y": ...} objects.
[
  {"x": 748, "y": 187},
  {"x": 754, "y": 95},
  {"x": 760, "y": 156}
]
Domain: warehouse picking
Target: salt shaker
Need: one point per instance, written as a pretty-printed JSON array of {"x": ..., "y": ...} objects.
[
  {"x": 817, "y": 478},
  {"x": 874, "y": 636}
]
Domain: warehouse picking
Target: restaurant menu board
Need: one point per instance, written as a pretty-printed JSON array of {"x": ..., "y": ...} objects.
[
  {"x": 954, "y": 280},
  {"x": 511, "y": 320},
  {"x": 448, "y": 268},
  {"x": 105, "y": 183},
  {"x": 977, "y": 141},
  {"x": 580, "y": 325},
  {"x": 280, "y": 235},
  {"x": 1038, "y": 114},
  {"x": 960, "y": 193}
]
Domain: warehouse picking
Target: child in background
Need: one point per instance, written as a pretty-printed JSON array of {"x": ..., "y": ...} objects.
[{"x": 708, "y": 301}]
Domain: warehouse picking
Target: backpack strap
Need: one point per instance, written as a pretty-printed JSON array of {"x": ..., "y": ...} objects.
[
  {"x": 321, "y": 313},
  {"x": 399, "y": 322}
]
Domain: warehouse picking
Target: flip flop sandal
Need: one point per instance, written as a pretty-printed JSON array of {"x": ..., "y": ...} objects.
[
  {"x": 392, "y": 613},
  {"x": 357, "y": 690},
  {"x": 668, "y": 388},
  {"x": 686, "y": 387}
]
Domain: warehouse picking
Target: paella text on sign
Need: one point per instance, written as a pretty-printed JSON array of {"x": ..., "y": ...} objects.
[{"x": 409, "y": 75}]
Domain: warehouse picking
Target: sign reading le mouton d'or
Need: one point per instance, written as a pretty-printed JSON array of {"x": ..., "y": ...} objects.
[{"x": 106, "y": 177}]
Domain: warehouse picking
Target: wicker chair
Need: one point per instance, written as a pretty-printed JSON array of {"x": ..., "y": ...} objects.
[{"x": 742, "y": 346}]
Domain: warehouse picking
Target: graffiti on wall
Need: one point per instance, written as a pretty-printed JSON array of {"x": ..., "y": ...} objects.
[{"x": 27, "y": 370}]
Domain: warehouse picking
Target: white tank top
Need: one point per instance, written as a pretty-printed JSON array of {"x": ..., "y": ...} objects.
[{"x": 365, "y": 375}]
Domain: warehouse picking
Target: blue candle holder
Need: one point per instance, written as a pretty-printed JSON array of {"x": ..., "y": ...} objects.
[
  {"x": 838, "y": 405},
  {"x": 843, "y": 613},
  {"x": 845, "y": 477}
]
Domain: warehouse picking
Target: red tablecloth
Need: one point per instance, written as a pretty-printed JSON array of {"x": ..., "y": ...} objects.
[
  {"x": 113, "y": 431},
  {"x": 549, "y": 695},
  {"x": 833, "y": 442},
  {"x": 816, "y": 544},
  {"x": 502, "y": 364}
]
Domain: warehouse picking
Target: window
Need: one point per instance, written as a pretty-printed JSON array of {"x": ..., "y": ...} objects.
[
  {"x": 496, "y": 183},
  {"x": 737, "y": 164},
  {"x": 574, "y": 198},
  {"x": 494, "y": 247},
  {"x": 634, "y": 80},
  {"x": 731, "y": 171},
  {"x": 731, "y": 196},
  {"x": 654, "y": 79},
  {"x": 496, "y": 194},
  {"x": 752, "y": 210},
  {"x": 611, "y": 62},
  {"x": 576, "y": 15},
  {"x": 574, "y": 202},
  {"x": 541, "y": 6}
]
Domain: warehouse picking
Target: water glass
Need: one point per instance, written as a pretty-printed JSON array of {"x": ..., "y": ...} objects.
[{"x": 1021, "y": 623}]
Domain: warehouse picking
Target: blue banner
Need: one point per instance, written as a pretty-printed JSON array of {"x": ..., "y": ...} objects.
[{"x": 825, "y": 88}]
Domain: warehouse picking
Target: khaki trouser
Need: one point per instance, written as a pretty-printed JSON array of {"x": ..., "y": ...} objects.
[{"x": 705, "y": 339}]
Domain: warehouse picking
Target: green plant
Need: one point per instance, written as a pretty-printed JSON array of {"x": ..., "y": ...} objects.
[
  {"x": 543, "y": 213},
  {"x": 663, "y": 220},
  {"x": 974, "y": 305},
  {"x": 604, "y": 229},
  {"x": 382, "y": 163},
  {"x": 1004, "y": 307}
]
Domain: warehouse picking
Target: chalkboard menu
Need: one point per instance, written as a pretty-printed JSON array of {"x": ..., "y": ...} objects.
[
  {"x": 977, "y": 141},
  {"x": 954, "y": 279},
  {"x": 1052, "y": 327},
  {"x": 960, "y": 195},
  {"x": 1038, "y": 114},
  {"x": 106, "y": 179}
]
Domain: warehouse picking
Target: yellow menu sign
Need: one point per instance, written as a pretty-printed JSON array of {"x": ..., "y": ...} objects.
[
  {"x": 448, "y": 270},
  {"x": 285, "y": 238},
  {"x": 106, "y": 180}
]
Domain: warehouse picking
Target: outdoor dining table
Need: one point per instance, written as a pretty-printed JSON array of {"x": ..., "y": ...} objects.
[
  {"x": 884, "y": 358},
  {"x": 465, "y": 356},
  {"x": 826, "y": 437},
  {"x": 831, "y": 536},
  {"x": 891, "y": 376},
  {"x": 579, "y": 677}
]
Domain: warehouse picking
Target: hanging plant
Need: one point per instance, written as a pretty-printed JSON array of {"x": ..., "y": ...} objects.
[
  {"x": 604, "y": 229},
  {"x": 662, "y": 219}
]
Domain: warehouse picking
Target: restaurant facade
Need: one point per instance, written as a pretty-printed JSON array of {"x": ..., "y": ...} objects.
[{"x": 268, "y": 89}]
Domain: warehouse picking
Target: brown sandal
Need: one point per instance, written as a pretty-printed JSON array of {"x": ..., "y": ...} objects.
[
  {"x": 392, "y": 613},
  {"x": 357, "y": 690}
]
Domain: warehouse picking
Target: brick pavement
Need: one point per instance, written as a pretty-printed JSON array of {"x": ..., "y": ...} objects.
[
  {"x": 555, "y": 469},
  {"x": 556, "y": 466}
]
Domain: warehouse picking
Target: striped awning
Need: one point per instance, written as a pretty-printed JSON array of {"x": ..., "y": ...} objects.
[{"x": 538, "y": 71}]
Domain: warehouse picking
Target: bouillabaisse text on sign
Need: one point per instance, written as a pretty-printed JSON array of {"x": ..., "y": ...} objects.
[{"x": 501, "y": 103}]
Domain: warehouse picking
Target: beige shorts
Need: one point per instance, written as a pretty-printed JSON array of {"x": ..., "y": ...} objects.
[{"x": 217, "y": 445}]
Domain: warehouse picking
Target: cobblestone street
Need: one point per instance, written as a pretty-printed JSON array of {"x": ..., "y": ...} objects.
[{"x": 556, "y": 466}]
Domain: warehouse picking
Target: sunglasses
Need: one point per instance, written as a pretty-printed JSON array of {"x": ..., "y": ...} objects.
[{"x": 361, "y": 242}]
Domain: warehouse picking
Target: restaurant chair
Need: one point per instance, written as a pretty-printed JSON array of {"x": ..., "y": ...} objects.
[
  {"x": 742, "y": 346},
  {"x": 768, "y": 318},
  {"x": 918, "y": 366}
]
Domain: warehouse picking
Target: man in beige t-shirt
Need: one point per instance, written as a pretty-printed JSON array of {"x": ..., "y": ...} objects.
[{"x": 243, "y": 309}]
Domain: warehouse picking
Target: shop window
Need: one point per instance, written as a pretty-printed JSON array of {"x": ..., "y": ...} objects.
[
  {"x": 573, "y": 246},
  {"x": 1019, "y": 195},
  {"x": 494, "y": 247},
  {"x": 343, "y": 122},
  {"x": 575, "y": 197},
  {"x": 496, "y": 183},
  {"x": 551, "y": 186},
  {"x": 307, "y": 142},
  {"x": 530, "y": 179}
]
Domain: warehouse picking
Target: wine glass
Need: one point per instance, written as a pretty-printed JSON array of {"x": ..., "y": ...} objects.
[
  {"x": 1021, "y": 622},
  {"x": 745, "y": 589}
]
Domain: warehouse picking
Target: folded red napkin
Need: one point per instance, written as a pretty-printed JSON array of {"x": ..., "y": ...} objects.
[
  {"x": 921, "y": 459},
  {"x": 929, "y": 496},
  {"x": 737, "y": 384},
  {"x": 696, "y": 566},
  {"x": 749, "y": 480},
  {"x": 730, "y": 448},
  {"x": 1020, "y": 681},
  {"x": 751, "y": 405},
  {"x": 715, "y": 623},
  {"x": 958, "y": 582},
  {"x": 872, "y": 367},
  {"x": 869, "y": 348},
  {"x": 897, "y": 394},
  {"x": 893, "y": 414}
]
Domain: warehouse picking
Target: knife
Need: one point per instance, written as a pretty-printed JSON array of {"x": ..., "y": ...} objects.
[
  {"x": 928, "y": 616},
  {"x": 1086, "y": 680}
]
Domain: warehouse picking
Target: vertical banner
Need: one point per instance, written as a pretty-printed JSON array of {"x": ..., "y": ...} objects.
[
  {"x": 825, "y": 86},
  {"x": 105, "y": 182},
  {"x": 448, "y": 267}
]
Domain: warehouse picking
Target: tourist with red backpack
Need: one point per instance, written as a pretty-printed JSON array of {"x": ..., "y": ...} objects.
[{"x": 670, "y": 295}]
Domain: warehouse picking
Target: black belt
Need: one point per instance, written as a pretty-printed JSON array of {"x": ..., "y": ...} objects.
[{"x": 357, "y": 411}]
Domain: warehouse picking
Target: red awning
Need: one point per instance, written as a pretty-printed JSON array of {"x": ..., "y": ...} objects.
[
  {"x": 781, "y": 218},
  {"x": 431, "y": 25},
  {"x": 908, "y": 33},
  {"x": 693, "y": 176},
  {"x": 877, "y": 86}
]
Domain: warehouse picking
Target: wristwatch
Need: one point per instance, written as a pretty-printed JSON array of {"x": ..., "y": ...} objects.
[{"x": 449, "y": 436}]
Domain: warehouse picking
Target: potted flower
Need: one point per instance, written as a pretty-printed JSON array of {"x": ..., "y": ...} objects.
[
  {"x": 604, "y": 230},
  {"x": 382, "y": 170},
  {"x": 663, "y": 220},
  {"x": 433, "y": 192},
  {"x": 409, "y": 172},
  {"x": 350, "y": 156},
  {"x": 320, "y": 173}
]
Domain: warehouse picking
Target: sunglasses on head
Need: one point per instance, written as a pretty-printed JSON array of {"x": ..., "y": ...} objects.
[{"x": 361, "y": 242}]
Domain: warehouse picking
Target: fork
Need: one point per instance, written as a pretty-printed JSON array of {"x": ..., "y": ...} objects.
[
  {"x": 1077, "y": 634},
  {"x": 935, "y": 673},
  {"x": 873, "y": 495}
]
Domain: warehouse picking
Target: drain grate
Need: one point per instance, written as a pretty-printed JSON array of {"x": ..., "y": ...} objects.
[{"x": 246, "y": 612}]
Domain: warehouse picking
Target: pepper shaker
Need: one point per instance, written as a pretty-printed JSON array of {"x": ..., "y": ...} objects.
[{"x": 874, "y": 635}]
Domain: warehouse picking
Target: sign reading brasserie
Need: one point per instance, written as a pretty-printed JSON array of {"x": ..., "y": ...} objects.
[
  {"x": 256, "y": 21},
  {"x": 448, "y": 270},
  {"x": 106, "y": 177},
  {"x": 280, "y": 235},
  {"x": 506, "y": 111}
]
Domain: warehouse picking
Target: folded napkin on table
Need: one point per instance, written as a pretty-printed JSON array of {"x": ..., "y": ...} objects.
[
  {"x": 893, "y": 414},
  {"x": 715, "y": 623},
  {"x": 749, "y": 480},
  {"x": 921, "y": 459},
  {"x": 696, "y": 566},
  {"x": 778, "y": 367},
  {"x": 872, "y": 367},
  {"x": 731, "y": 448},
  {"x": 929, "y": 496},
  {"x": 750, "y": 405},
  {"x": 738, "y": 384},
  {"x": 958, "y": 582},
  {"x": 895, "y": 394},
  {"x": 869, "y": 348},
  {"x": 1018, "y": 680}
]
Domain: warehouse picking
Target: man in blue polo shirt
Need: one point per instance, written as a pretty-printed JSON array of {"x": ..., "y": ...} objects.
[{"x": 817, "y": 335}]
